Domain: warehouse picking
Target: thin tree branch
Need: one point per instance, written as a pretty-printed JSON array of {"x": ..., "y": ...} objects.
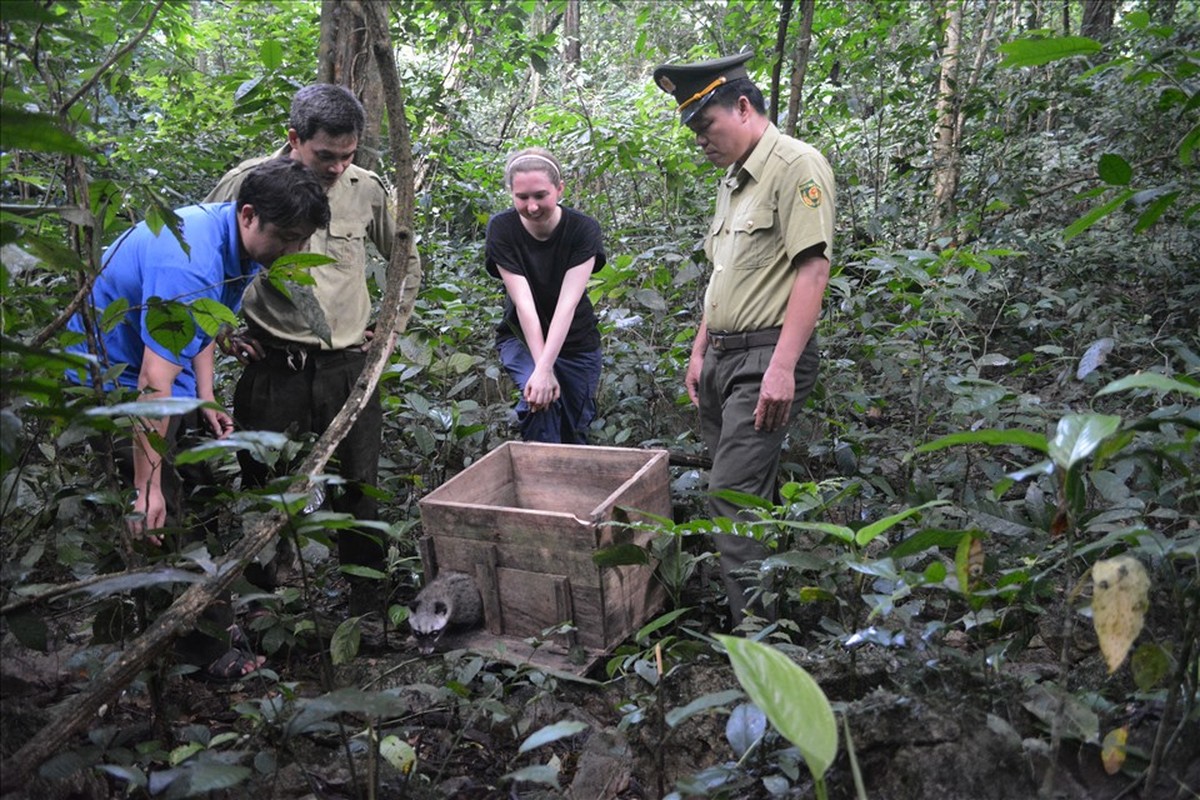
[{"x": 132, "y": 43}]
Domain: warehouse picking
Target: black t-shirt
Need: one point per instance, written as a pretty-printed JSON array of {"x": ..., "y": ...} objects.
[{"x": 544, "y": 264}]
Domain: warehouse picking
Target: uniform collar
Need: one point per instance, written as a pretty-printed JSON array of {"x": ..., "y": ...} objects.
[{"x": 756, "y": 162}]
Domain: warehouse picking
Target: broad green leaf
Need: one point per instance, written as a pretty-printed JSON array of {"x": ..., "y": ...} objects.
[
  {"x": 28, "y": 628},
  {"x": 294, "y": 265},
  {"x": 310, "y": 711},
  {"x": 183, "y": 753},
  {"x": 1150, "y": 664},
  {"x": 1120, "y": 599},
  {"x": 271, "y": 53},
  {"x": 620, "y": 555},
  {"x": 828, "y": 528},
  {"x": 1095, "y": 215},
  {"x": 552, "y": 733},
  {"x": 210, "y": 315},
  {"x": 360, "y": 571},
  {"x": 1013, "y": 436},
  {"x": 114, "y": 314},
  {"x": 1035, "y": 52},
  {"x": 170, "y": 324},
  {"x": 924, "y": 540},
  {"x": 163, "y": 407},
  {"x": 715, "y": 700},
  {"x": 255, "y": 441},
  {"x": 864, "y": 535},
  {"x": 1150, "y": 380},
  {"x": 660, "y": 622},
  {"x": 23, "y": 130},
  {"x": 1188, "y": 145},
  {"x": 1154, "y": 211},
  {"x": 131, "y": 775},
  {"x": 125, "y": 583},
  {"x": 343, "y": 647},
  {"x": 199, "y": 779},
  {"x": 790, "y": 698},
  {"x": 1114, "y": 170},
  {"x": 1048, "y": 701},
  {"x": 1078, "y": 436}
]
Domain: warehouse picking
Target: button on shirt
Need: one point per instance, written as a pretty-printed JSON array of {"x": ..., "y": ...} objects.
[{"x": 777, "y": 204}]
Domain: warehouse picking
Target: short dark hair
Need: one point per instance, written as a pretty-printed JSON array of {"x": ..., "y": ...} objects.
[
  {"x": 285, "y": 192},
  {"x": 726, "y": 95},
  {"x": 326, "y": 107}
]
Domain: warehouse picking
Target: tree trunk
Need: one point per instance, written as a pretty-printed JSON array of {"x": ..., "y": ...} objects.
[
  {"x": 81, "y": 709},
  {"x": 785, "y": 17},
  {"x": 343, "y": 58},
  {"x": 1098, "y": 18},
  {"x": 571, "y": 51},
  {"x": 945, "y": 145},
  {"x": 800, "y": 65}
]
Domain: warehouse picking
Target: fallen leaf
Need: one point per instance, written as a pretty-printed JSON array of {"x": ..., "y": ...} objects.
[
  {"x": 1112, "y": 752},
  {"x": 1120, "y": 597}
]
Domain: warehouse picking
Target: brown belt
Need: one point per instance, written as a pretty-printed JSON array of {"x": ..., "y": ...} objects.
[{"x": 723, "y": 342}]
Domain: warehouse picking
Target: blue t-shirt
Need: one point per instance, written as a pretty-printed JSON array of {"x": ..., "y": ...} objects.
[{"x": 141, "y": 265}]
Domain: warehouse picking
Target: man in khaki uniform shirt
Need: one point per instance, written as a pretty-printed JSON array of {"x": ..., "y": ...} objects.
[
  {"x": 303, "y": 354},
  {"x": 754, "y": 359}
]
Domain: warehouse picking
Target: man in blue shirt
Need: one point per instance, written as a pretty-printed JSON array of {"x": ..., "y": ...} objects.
[
  {"x": 226, "y": 244},
  {"x": 279, "y": 206}
]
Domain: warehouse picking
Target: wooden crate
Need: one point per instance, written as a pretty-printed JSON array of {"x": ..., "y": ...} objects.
[{"x": 525, "y": 520}]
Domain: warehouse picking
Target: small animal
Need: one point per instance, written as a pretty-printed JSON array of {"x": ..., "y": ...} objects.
[{"x": 449, "y": 601}]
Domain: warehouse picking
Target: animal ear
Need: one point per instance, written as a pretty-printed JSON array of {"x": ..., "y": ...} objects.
[{"x": 439, "y": 607}]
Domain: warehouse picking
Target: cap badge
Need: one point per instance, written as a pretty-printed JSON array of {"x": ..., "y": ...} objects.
[{"x": 667, "y": 84}]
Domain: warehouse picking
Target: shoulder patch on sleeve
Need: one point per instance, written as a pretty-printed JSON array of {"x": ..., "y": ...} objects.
[{"x": 810, "y": 194}]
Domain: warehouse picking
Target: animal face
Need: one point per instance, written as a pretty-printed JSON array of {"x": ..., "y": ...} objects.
[{"x": 428, "y": 622}]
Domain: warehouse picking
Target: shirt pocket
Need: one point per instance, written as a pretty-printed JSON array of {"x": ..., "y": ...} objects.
[
  {"x": 346, "y": 241},
  {"x": 756, "y": 238}
]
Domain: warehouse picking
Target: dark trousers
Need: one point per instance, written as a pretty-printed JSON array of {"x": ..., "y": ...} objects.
[
  {"x": 184, "y": 487},
  {"x": 744, "y": 459},
  {"x": 301, "y": 392},
  {"x": 567, "y": 419}
]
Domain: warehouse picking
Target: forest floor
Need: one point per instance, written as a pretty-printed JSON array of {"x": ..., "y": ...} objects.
[{"x": 924, "y": 723}]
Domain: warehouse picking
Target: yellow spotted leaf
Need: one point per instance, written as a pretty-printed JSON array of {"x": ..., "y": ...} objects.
[
  {"x": 1112, "y": 752},
  {"x": 1120, "y": 597}
]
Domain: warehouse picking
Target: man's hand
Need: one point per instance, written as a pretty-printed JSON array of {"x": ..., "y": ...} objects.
[
  {"x": 149, "y": 514},
  {"x": 219, "y": 422},
  {"x": 240, "y": 344},
  {"x": 691, "y": 379},
  {"x": 774, "y": 399}
]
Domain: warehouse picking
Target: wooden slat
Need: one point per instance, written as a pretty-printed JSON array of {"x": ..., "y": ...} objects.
[{"x": 489, "y": 590}]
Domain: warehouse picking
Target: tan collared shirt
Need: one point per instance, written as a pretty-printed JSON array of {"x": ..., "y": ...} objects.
[
  {"x": 358, "y": 205},
  {"x": 777, "y": 204}
]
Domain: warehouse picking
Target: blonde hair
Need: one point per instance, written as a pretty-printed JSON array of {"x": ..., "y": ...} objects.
[{"x": 533, "y": 159}]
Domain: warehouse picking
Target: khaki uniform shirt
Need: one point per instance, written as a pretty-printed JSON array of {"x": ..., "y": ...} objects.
[
  {"x": 779, "y": 203},
  {"x": 358, "y": 211}
]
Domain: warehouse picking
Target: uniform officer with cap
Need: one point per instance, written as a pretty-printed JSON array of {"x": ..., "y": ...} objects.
[{"x": 754, "y": 359}]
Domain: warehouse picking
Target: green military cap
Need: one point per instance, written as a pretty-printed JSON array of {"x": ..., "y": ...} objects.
[{"x": 693, "y": 84}]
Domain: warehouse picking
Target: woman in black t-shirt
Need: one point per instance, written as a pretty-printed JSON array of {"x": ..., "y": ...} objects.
[{"x": 548, "y": 340}]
